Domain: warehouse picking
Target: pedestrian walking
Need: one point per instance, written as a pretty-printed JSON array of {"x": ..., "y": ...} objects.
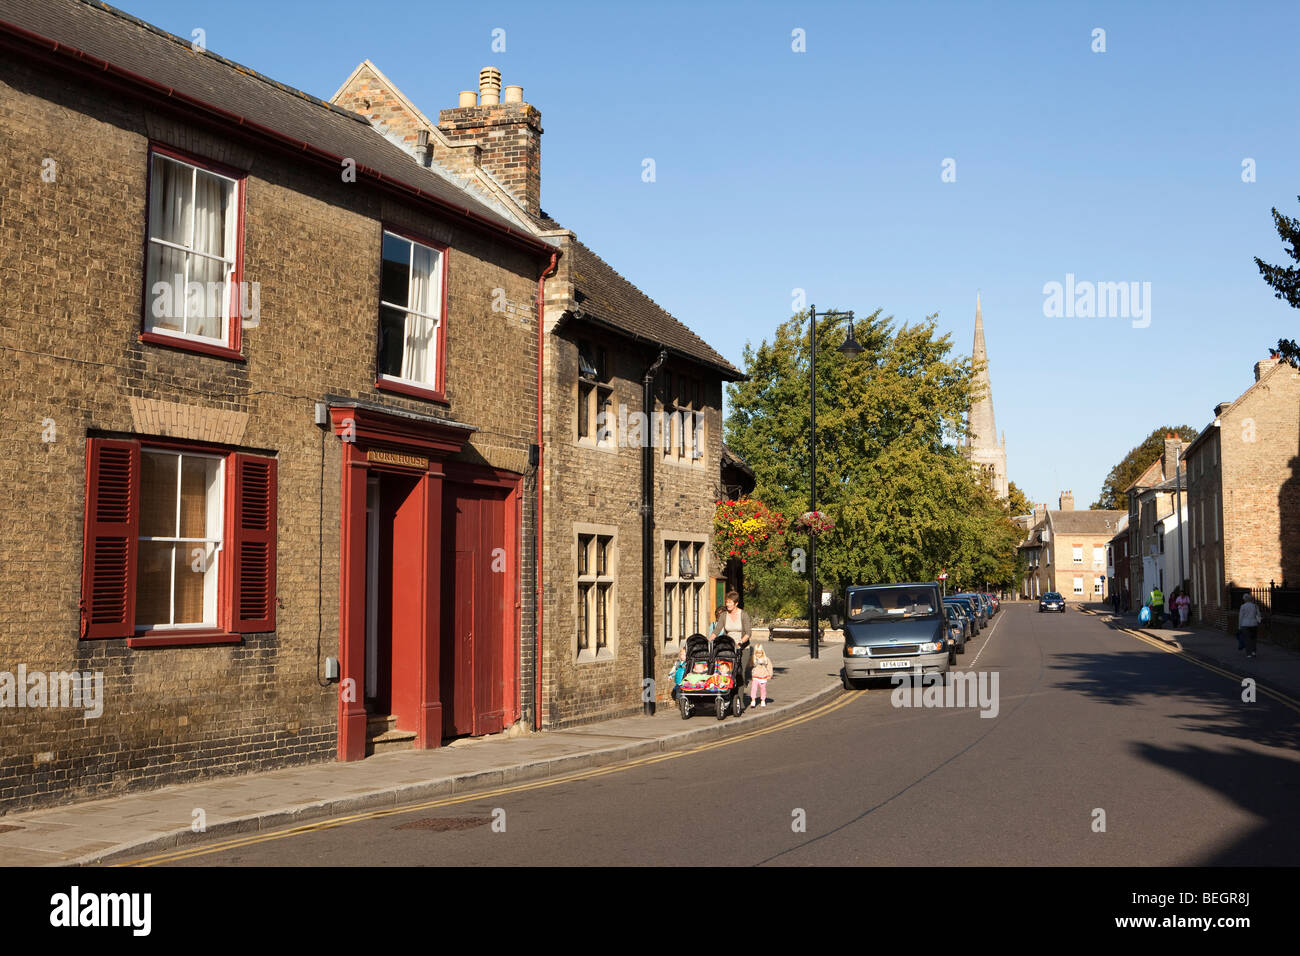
[
  {"x": 1248, "y": 619},
  {"x": 1157, "y": 602},
  {"x": 1184, "y": 605}
]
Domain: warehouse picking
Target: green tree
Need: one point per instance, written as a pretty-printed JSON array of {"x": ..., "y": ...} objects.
[
  {"x": 904, "y": 500},
  {"x": 1285, "y": 280},
  {"x": 1113, "y": 494},
  {"x": 1017, "y": 502}
]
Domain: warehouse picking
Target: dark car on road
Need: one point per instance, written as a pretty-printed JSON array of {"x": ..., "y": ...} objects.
[{"x": 1051, "y": 601}]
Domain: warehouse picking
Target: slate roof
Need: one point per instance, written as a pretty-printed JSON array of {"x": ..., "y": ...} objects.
[
  {"x": 1085, "y": 522},
  {"x": 129, "y": 44}
]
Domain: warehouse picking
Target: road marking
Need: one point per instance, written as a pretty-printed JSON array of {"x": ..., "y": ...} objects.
[
  {"x": 986, "y": 644},
  {"x": 1281, "y": 698},
  {"x": 333, "y": 822}
]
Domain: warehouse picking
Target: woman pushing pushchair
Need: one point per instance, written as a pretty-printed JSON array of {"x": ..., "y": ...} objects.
[{"x": 733, "y": 621}]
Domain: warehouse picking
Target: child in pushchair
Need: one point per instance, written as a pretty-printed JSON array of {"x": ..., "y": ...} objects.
[{"x": 711, "y": 676}]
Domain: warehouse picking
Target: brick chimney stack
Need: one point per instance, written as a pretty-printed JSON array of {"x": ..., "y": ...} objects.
[
  {"x": 1173, "y": 448},
  {"x": 1067, "y": 500},
  {"x": 508, "y": 130},
  {"x": 1266, "y": 366}
]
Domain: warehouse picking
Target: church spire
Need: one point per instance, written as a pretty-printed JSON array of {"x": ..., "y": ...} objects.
[{"x": 983, "y": 432}]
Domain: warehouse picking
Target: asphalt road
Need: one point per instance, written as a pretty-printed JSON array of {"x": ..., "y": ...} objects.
[{"x": 1088, "y": 720}]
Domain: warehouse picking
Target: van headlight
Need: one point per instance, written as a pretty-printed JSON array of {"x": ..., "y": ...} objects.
[
  {"x": 852, "y": 651},
  {"x": 931, "y": 647}
]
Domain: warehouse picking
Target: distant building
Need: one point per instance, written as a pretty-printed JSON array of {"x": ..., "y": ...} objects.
[
  {"x": 981, "y": 442},
  {"x": 1157, "y": 518},
  {"x": 1243, "y": 493},
  {"x": 1066, "y": 551}
]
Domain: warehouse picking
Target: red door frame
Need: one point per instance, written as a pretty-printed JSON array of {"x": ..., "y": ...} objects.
[{"x": 373, "y": 439}]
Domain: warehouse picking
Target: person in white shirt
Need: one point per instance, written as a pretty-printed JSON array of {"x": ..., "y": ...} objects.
[{"x": 1248, "y": 619}]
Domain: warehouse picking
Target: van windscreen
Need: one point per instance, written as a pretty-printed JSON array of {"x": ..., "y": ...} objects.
[{"x": 892, "y": 603}]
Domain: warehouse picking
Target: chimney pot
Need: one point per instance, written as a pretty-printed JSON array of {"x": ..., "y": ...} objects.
[
  {"x": 514, "y": 94},
  {"x": 489, "y": 86},
  {"x": 468, "y": 98}
]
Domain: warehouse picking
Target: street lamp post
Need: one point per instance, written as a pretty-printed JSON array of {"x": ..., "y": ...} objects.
[{"x": 850, "y": 347}]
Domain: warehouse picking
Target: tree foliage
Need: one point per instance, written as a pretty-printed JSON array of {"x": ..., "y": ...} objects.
[
  {"x": 1134, "y": 463},
  {"x": 904, "y": 500},
  {"x": 1285, "y": 280},
  {"x": 1017, "y": 502}
]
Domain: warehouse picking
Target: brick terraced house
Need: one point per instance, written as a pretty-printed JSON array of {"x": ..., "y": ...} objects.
[
  {"x": 310, "y": 417},
  {"x": 271, "y": 435},
  {"x": 1243, "y": 494},
  {"x": 628, "y": 392}
]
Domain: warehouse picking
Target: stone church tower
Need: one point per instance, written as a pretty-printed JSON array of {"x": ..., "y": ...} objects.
[{"x": 981, "y": 444}]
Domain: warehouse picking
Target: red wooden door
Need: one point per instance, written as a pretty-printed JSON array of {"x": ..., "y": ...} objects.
[
  {"x": 476, "y": 580},
  {"x": 490, "y": 616}
]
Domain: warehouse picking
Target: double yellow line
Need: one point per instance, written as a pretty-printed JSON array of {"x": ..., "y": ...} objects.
[
  {"x": 187, "y": 853},
  {"x": 1282, "y": 699}
]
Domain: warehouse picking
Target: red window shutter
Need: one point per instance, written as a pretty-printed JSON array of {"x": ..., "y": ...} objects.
[
  {"x": 253, "y": 545},
  {"x": 111, "y": 532}
]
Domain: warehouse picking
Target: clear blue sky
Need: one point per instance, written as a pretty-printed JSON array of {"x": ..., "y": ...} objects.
[{"x": 821, "y": 170}]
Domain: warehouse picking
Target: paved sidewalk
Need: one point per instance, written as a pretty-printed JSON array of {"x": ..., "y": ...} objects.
[
  {"x": 84, "y": 833},
  {"x": 1277, "y": 667}
]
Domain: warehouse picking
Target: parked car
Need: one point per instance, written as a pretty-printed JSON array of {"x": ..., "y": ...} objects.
[
  {"x": 995, "y": 601},
  {"x": 956, "y": 633},
  {"x": 976, "y": 608},
  {"x": 1051, "y": 601},
  {"x": 892, "y": 628},
  {"x": 963, "y": 615}
]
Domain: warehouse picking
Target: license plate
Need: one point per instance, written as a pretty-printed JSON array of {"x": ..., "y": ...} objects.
[{"x": 886, "y": 664}]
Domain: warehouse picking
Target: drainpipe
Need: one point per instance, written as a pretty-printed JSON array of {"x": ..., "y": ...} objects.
[
  {"x": 537, "y": 528},
  {"x": 647, "y": 537}
]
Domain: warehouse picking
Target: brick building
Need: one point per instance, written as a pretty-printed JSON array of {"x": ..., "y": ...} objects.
[
  {"x": 1066, "y": 552},
  {"x": 313, "y": 447},
  {"x": 1157, "y": 524},
  {"x": 1243, "y": 492},
  {"x": 603, "y": 337}
]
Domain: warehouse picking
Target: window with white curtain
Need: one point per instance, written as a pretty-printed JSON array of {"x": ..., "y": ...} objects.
[
  {"x": 191, "y": 260},
  {"x": 410, "y": 312}
]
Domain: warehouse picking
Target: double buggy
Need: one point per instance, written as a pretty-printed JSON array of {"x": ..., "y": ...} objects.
[{"x": 712, "y": 678}]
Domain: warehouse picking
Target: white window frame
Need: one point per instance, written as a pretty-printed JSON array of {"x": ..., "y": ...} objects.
[
  {"x": 215, "y": 520},
  {"x": 432, "y": 361},
  {"x": 1076, "y": 552},
  {"x": 231, "y": 229},
  {"x": 1078, "y": 584}
]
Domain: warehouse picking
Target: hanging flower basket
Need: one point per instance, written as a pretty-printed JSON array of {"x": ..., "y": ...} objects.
[
  {"x": 815, "y": 522},
  {"x": 746, "y": 528}
]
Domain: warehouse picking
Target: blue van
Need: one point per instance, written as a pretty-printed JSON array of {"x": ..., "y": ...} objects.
[{"x": 891, "y": 629}]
